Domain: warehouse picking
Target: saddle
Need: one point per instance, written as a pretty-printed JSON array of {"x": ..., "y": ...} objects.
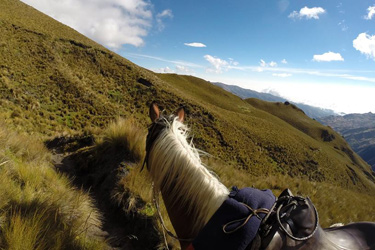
[
  {"x": 252, "y": 219},
  {"x": 296, "y": 217},
  {"x": 293, "y": 223}
]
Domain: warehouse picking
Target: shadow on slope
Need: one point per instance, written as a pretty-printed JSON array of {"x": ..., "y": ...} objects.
[
  {"x": 101, "y": 167},
  {"x": 39, "y": 208}
]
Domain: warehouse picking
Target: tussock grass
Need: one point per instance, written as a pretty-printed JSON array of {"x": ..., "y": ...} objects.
[
  {"x": 127, "y": 135},
  {"x": 108, "y": 166},
  {"x": 38, "y": 207}
]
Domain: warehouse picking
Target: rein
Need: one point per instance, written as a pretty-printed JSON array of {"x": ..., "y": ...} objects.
[
  {"x": 151, "y": 130},
  {"x": 253, "y": 212},
  {"x": 156, "y": 204}
]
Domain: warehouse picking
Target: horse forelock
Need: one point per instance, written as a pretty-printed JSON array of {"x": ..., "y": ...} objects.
[{"x": 176, "y": 169}]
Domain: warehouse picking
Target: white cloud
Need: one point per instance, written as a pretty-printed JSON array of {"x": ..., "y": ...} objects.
[
  {"x": 160, "y": 16},
  {"x": 283, "y": 75},
  {"x": 351, "y": 75},
  {"x": 165, "y": 13},
  {"x": 284, "y": 61},
  {"x": 283, "y": 5},
  {"x": 111, "y": 22},
  {"x": 273, "y": 64},
  {"x": 196, "y": 45},
  {"x": 220, "y": 65},
  {"x": 343, "y": 26},
  {"x": 233, "y": 62},
  {"x": 217, "y": 65},
  {"x": 262, "y": 63},
  {"x": 328, "y": 57},
  {"x": 176, "y": 62},
  {"x": 184, "y": 70},
  {"x": 179, "y": 69},
  {"x": 370, "y": 13},
  {"x": 307, "y": 13},
  {"x": 365, "y": 44},
  {"x": 164, "y": 70},
  {"x": 339, "y": 7}
]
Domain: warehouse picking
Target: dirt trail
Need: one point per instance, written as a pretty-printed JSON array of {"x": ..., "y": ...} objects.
[{"x": 75, "y": 157}]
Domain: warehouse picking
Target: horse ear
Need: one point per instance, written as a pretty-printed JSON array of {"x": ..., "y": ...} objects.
[
  {"x": 154, "y": 112},
  {"x": 181, "y": 114}
]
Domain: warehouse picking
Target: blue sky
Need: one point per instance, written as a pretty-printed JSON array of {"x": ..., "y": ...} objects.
[{"x": 320, "y": 53}]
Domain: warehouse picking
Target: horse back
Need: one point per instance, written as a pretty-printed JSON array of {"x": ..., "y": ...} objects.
[{"x": 360, "y": 235}]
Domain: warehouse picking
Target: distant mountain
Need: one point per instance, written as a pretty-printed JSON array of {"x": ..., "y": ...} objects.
[
  {"x": 359, "y": 132},
  {"x": 311, "y": 111}
]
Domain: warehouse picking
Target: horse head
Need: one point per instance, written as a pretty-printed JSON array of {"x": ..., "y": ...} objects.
[
  {"x": 159, "y": 123},
  {"x": 190, "y": 192}
]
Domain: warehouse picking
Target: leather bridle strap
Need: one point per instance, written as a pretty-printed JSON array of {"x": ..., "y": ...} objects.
[
  {"x": 156, "y": 203},
  {"x": 152, "y": 127}
]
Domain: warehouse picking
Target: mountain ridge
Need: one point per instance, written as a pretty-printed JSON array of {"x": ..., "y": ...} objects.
[{"x": 311, "y": 111}]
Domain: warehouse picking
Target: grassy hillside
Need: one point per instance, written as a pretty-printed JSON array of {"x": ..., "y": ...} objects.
[
  {"x": 56, "y": 84},
  {"x": 54, "y": 79},
  {"x": 296, "y": 118},
  {"x": 280, "y": 140}
]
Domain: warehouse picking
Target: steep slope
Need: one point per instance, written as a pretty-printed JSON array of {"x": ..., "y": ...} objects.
[
  {"x": 54, "y": 81},
  {"x": 296, "y": 118},
  {"x": 358, "y": 130},
  {"x": 61, "y": 81},
  {"x": 53, "y": 78},
  {"x": 311, "y": 111}
]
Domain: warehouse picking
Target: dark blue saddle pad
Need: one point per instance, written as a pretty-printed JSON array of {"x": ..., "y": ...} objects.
[{"x": 212, "y": 236}]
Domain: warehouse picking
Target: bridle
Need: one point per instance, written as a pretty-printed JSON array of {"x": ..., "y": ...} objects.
[{"x": 151, "y": 136}]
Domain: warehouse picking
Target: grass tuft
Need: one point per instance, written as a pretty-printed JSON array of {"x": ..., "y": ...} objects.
[
  {"x": 124, "y": 134},
  {"x": 39, "y": 209}
]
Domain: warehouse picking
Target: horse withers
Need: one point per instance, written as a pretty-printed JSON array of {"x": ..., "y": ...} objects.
[{"x": 206, "y": 215}]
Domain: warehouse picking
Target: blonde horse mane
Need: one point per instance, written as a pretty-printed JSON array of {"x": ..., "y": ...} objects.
[{"x": 177, "y": 171}]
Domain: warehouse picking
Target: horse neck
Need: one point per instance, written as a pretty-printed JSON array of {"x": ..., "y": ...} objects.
[{"x": 190, "y": 192}]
